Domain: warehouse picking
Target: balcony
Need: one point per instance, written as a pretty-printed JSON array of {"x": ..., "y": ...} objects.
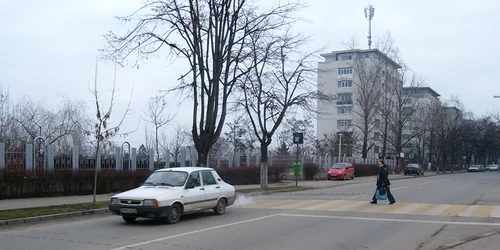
[{"x": 349, "y": 102}]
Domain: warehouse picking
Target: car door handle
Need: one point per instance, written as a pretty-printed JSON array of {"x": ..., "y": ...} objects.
[
  {"x": 217, "y": 187},
  {"x": 202, "y": 188}
]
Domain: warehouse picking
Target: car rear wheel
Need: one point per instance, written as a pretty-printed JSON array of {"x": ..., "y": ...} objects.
[
  {"x": 174, "y": 214},
  {"x": 352, "y": 177},
  {"x": 343, "y": 177},
  {"x": 129, "y": 219},
  {"x": 221, "y": 207}
]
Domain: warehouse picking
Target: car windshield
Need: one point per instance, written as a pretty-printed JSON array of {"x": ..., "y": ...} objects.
[
  {"x": 338, "y": 166},
  {"x": 167, "y": 178}
]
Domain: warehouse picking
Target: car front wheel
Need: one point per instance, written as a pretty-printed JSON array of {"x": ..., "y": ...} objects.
[
  {"x": 221, "y": 207},
  {"x": 174, "y": 214}
]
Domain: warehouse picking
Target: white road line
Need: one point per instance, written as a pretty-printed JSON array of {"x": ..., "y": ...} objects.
[
  {"x": 392, "y": 220},
  {"x": 467, "y": 212},
  {"x": 438, "y": 210},
  {"x": 496, "y": 212},
  {"x": 192, "y": 232}
]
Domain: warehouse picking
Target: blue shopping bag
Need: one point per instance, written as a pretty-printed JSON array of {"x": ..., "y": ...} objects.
[{"x": 381, "y": 193}]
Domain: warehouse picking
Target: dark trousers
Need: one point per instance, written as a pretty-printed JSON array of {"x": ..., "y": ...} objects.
[{"x": 389, "y": 195}]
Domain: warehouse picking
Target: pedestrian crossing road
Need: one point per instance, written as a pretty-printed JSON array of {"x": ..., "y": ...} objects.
[{"x": 382, "y": 207}]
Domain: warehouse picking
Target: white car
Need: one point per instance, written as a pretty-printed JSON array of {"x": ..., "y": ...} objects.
[
  {"x": 492, "y": 167},
  {"x": 169, "y": 193}
]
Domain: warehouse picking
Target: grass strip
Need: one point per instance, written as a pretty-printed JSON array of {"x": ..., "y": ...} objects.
[{"x": 39, "y": 211}]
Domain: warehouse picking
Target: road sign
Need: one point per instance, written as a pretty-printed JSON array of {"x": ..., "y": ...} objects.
[{"x": 298, "y": 138}]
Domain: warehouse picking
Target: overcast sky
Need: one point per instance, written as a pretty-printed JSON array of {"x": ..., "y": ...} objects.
[{"x": 49, "y": 48}]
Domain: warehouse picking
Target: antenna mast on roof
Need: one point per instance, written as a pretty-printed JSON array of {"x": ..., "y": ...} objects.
[{"x": 369, "y": 12}]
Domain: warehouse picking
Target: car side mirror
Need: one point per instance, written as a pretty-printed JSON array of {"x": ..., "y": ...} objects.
[{"x": 190, "y": 185}]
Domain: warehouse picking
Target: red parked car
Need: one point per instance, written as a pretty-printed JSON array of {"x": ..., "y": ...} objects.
[{"x": 341, "y": 171}]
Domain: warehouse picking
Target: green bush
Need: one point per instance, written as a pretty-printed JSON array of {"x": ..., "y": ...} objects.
[{"x": 310, "y": 170}]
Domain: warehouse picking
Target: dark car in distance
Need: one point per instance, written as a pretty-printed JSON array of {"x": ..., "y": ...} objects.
[{"x": 414, "y": 168}]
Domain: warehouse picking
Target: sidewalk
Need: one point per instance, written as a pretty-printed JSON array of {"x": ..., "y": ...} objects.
[{"x": 10, "y": 204}]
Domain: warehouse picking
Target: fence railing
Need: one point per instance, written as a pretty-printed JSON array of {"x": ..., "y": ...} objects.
[{"x": 118, "y": 160}]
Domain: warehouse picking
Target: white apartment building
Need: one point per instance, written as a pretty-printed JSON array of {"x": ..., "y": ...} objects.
[
  {"x": 345, "y": 74},
  {"x": 422, "y": 99}
]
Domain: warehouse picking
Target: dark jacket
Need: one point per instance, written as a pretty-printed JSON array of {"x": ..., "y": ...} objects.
[{"x": 383, "y": 176}]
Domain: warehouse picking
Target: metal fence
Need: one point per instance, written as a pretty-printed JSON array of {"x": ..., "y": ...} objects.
[{"x": 120, "y": 159}]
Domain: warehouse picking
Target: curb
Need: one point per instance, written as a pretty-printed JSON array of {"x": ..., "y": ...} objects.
[{"x": 52, "y": 217}]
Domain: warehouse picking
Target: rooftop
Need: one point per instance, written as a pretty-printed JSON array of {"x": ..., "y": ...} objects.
[
  {"x": 377, "y": 51},
  {"x": 421, "y": 90}
]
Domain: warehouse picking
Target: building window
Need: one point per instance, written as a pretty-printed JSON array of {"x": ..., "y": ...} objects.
[
  {"x": 345, "y": 58},
  {"x": 376, "y": 136},
  {"x": 344, "y": 110},
  {"x": 376, "y": 149},
  {"x": 345, "y": 71},
  {"x": 377, "y": 123},
  {"x": 345, "y": 98},
  {"x": 343, "y": 123},
  {"x": 345, "y": 84}
]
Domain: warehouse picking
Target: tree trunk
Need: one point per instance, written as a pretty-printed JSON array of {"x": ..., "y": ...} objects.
[
  {"x": 384, "y": 146},
  {"x": 263, "y": 165},
  {"x": 203, "y": 151},
  {"x": 364, "y": 150}
]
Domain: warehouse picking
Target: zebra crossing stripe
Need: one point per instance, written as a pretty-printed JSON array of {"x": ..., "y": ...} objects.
[
  {"x": 409, "y": 207},
  {"x": 424, "y": 209},
  {"x": 351, "y": 206},
  {"x": 437, "y": 210},
  {"x": 468, "y": 211},
  {"x": 483, "y": 211},
  {"x": 364, "y": 206},
  {"x": 322, "y": 205},
  {"x": 453, "y": 210},
  {"x": 495, "y": 213},
  {"x": 299, "y": 204}
]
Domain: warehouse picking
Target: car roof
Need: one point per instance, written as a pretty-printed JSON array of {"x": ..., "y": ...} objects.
[{"x": 186, "y": 169}]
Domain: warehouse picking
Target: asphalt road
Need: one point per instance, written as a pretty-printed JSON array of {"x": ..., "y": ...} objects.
[{"x": 453, "y": 211}]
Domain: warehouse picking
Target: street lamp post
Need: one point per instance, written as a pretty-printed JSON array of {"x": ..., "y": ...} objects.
[{"x": 340, "y": 146}]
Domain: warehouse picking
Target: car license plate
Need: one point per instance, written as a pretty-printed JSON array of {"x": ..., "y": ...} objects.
[{"x": 128, "y": 210}]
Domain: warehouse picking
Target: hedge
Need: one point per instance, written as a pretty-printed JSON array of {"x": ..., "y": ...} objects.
[
  {"x": 365, "y": 169},
  {"x": 43, "y": 183}
]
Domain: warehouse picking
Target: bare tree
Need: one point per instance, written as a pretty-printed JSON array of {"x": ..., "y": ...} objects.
[
  {"x": 376, "y": 75},
  {"x": 179, "y": 139},
  {"x": 240, "y": 137},
  {"x": 281, "y": 78},
  {"x": 104, "y": 129},
  {"x": 212, "y": 36},
  {"x": 305, "y": 126},
  {"x": 403, "y": 109},
  {"x": 156, "y": 115}
]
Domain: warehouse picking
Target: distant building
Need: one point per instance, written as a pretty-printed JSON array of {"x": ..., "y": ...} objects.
[{"x": 344, "y": 74}]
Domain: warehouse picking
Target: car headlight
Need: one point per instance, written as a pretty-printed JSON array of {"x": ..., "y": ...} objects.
[
  {"x": 115, "y": 201},
  {"x": 150, "y": 203}
]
